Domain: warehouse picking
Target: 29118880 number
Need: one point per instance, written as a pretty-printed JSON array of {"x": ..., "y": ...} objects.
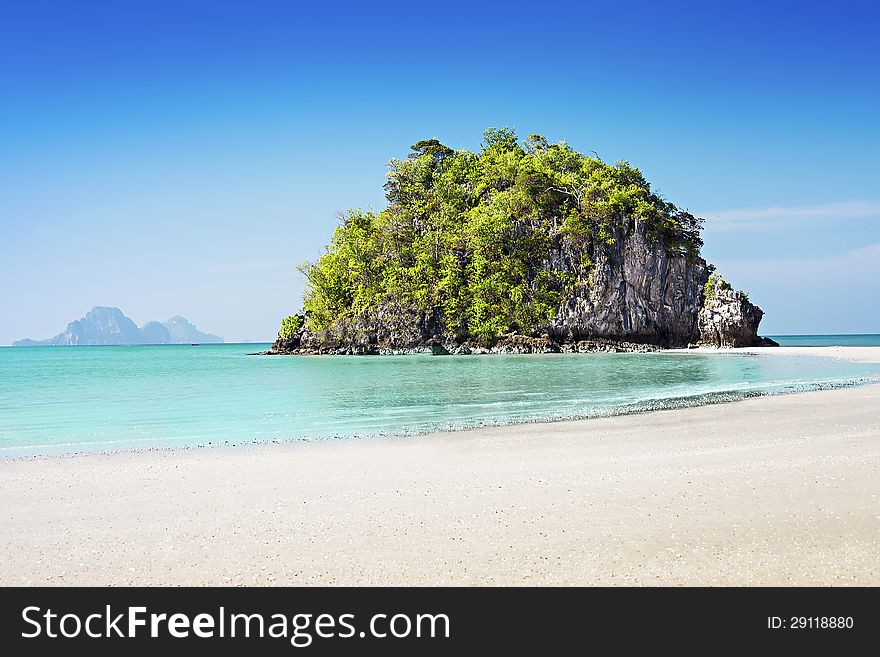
[{"x": 820, "y": 622}]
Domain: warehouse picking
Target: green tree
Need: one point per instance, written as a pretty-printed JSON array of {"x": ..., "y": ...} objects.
[
  {"x": 501, "y": 138},
  {"x": 465, "y": 236},
  {"x": 290, "y": 326},
  {"x": 431, "y": 147}
]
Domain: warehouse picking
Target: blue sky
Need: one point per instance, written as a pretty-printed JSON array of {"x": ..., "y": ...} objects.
[{"x": 182, "y": 158}]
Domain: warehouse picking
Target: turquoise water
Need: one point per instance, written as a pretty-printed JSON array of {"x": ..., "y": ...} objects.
[
  {"x": 846, "y": 340},
  {"x": 70, "y": 399}
]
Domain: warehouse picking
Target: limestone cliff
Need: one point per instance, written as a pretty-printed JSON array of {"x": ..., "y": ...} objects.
[
  {"x": 727, "y": 318},
  {"x": 637, "y": 291}
]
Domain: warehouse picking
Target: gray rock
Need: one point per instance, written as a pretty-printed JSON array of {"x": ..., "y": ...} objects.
[
  {"x": 728, "y": 318},
  {"x": 638, "y": 291}
]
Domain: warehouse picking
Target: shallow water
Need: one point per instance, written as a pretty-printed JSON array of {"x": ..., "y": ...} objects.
[
  {"x": 70, "y": 399},
  {"x": 846, "y": 340}
]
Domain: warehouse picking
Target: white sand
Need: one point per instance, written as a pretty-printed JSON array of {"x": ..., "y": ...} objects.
[{"x": 774, "y": 490}]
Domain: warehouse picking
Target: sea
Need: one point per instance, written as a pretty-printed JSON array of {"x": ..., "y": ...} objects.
[
  {"x": 63, "y": 400},
  {"x": 844, "y": 340}
]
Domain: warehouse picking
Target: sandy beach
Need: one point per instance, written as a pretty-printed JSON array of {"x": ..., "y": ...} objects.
[{"x": 778, "y": 490}]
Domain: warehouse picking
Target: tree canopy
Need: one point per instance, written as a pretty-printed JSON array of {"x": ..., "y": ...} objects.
[{"x": 466, "y": 236}]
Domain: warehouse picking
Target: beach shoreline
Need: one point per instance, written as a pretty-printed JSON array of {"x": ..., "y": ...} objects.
[{"x": 774, "y": 490}]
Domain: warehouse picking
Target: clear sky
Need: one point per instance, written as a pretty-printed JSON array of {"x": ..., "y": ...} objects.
[{"x": 183, "y": 157}]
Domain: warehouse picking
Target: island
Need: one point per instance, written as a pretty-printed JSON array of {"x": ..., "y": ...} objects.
[
  {"x": 104, "y": 325},
  {"x": 523, "y": 247}
]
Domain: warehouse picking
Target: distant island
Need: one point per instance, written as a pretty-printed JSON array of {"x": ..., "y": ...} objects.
[
  {"x": 106, "y": 326},
  {"x": 523, "y": 247}
]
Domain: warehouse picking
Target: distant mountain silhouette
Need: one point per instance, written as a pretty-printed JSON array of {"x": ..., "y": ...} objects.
[{"x": 103, "y": 325}]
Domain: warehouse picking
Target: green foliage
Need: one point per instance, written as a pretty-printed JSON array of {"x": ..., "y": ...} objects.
[
  {"x": 536, "y": 143},
  {"x": 431, "y": 147},
  {"x": 290, "y": 326},
  {"x": 465, "y": 236},
  {"x": 500, "y": 138},
  {"x": 714, "y": 285}
]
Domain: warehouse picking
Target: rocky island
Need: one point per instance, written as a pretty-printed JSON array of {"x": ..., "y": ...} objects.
[
  {"x": 104, "y": 325},
  {"x": 524, "y": 247}
]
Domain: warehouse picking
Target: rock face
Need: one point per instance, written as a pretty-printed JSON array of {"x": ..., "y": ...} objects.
[
  {"x": 728, "y": 319},
  {"x": 108, "y": 326},
  {"x": 636, "y": 296},
  {"x": 637, "y": 292}
]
